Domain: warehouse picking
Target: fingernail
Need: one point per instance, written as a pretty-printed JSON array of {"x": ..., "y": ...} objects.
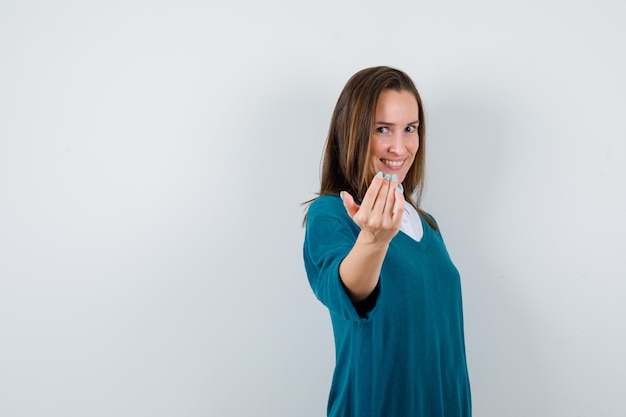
[
  {"x": 380, "y": 174},
  {"x": 394, "y": 178},
  {"x": 341, "y": 195},
  {"x": 387, "y": 177},
  {"x": 400, "y": 188}
]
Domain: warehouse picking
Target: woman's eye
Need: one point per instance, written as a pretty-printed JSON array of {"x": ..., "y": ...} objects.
[
  {"x": 382, "y": 129},
  {"x": 411, "y": 129}
]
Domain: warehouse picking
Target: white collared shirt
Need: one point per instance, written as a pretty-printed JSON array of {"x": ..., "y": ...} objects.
[{"x": 411, "y": 223}]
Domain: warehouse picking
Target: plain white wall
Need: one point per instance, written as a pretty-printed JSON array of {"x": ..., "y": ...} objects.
[{"x": 153, "y": 156}]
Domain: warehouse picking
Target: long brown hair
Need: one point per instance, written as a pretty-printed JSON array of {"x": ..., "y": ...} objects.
[{"x": 345, "y": 166}]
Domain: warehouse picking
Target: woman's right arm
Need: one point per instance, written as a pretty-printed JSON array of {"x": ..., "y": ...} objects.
[{"x": 379, "y": 217}]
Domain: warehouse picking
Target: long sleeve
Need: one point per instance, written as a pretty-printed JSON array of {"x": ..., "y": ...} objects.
[{"x": 330, "y": 235}]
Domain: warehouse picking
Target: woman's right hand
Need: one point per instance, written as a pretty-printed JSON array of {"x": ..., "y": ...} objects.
[{"x": 380, "y": 214}]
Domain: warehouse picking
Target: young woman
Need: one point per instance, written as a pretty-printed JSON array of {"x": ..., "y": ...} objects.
[{"x": 379, "y": 264}]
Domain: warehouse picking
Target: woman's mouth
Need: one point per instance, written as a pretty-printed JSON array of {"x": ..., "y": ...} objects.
[{"x": 392, "y": 164}]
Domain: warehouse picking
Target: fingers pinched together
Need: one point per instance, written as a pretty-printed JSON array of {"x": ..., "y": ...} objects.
[{"x": 380, "y": 213}]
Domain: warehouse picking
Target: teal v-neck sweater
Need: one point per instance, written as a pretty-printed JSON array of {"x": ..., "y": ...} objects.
[{"x": 403, "y": 355}]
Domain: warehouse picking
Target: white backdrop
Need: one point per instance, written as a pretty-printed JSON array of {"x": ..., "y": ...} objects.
[{"x": 154, "y": 154}]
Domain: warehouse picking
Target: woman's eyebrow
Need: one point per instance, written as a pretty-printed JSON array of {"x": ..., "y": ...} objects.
[{"x": 393, "y": 124}]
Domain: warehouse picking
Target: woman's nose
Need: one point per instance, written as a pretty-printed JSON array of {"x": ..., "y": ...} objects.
[{"x": 395, "y": 145}]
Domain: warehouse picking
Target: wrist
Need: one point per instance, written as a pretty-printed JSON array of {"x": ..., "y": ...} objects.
[{"x": 371, "y": 243}]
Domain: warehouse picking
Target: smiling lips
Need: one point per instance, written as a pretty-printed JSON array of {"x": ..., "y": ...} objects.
[{"x": 392, "y": 164}]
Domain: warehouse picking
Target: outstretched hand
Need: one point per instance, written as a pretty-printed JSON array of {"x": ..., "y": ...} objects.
[{"x": 380, "y": 214}]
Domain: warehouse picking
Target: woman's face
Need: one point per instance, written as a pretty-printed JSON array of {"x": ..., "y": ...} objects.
[{"x": 394, "y": 141}]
